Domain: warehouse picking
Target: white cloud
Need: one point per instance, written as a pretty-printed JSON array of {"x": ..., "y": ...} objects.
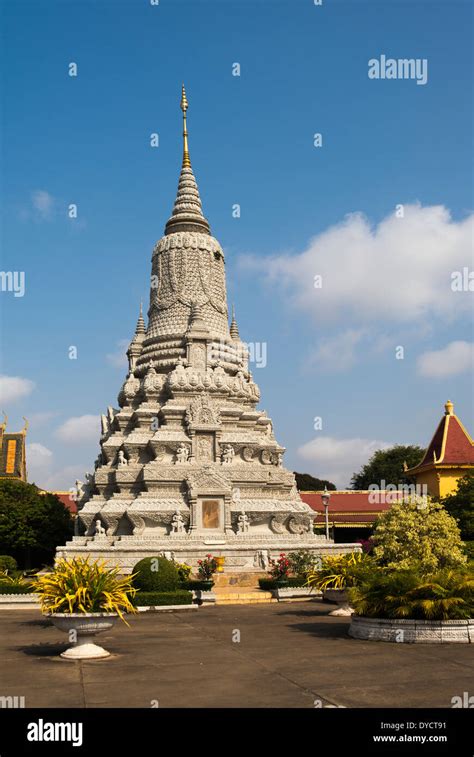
[
  {"x": 43, "y": 203},
  {"x": 455, "y": 358},
  {"x": 63, "y": 478},
  {"x": 119, "y": 357},
  {"x": 394, "y": 272},
  {"x": 40, "y": 418},
  {"x": 41, "y": 469},
  {"x": 337, "y": 459},
  {"x": 39, "y": 460},
  {"x": 337, "y": 353},
  {"x": 13, "y": 388},
  {"x": 80, "y": 429}
]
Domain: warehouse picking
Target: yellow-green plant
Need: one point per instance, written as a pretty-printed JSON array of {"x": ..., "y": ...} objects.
[
  {"x": 418, "y": 532},
  {"x": 15, "y": 580},
  {"x": 339, "y": 571},
  {"x": 447, "y": 594},
  {"x": 82, "y": 586}
]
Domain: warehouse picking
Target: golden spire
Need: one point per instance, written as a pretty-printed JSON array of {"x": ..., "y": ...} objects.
[{"x": 184, "y": 107}]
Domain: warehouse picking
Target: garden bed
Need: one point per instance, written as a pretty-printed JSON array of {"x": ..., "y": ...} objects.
[{"x": 412, "y": 631}]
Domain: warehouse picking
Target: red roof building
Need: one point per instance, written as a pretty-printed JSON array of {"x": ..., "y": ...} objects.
[
  {"x": 349, "y": 509},
  {"x": 450, "y": 455}
]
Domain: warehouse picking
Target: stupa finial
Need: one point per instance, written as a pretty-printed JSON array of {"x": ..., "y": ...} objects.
[
  {"x": 187, "y": 212},
  {"x": 184, "y": 106},
  {"x": 234, "y": 329},
  {"x": 140, "y": 328}
]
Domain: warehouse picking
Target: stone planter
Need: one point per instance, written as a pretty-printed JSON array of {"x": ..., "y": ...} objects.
[
  {"x": 282, "y": 583},
  {"x": 295, "y": 592},
  {"x": 341, "y": 598},
  {"x": 85, "y": 626},
  {"x": 412, "y": 631}
]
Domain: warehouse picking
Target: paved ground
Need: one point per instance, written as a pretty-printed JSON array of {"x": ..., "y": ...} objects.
[{"x": 289, "y": 655}]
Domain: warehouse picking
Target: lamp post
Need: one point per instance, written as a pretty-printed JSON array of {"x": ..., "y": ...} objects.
[{"x": 325, "y": 497}]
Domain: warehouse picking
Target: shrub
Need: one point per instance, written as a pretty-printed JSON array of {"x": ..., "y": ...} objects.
[
  {"x": 184, "y": 570},
  {"x": 15, "y": 588},
  {"x": 302, "y": 562},
  {"x": 78, "y": 585},
  {"x": 417, "y": 533},
  {"x": 280, "y": 569},
  {"x": 160, "y": 598},
  {"x": 8, "y": 580},
  {"x": 156, "y": 574},
  {"x": 8, "y": 564},
  {"x": 447, "y": 594}
]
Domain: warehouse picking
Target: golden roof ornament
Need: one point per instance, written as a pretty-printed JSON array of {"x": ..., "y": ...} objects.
[{"x": 449, "y": 408}]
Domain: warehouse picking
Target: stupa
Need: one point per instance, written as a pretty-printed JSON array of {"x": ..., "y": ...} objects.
[{"x": 188, "y": 464}]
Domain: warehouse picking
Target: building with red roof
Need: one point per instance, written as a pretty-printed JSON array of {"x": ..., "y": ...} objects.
[
  {"x": 351, "y": 514},
  {"x": 450, "y": 455}
]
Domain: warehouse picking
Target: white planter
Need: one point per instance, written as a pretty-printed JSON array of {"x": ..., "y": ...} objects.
[
  {"x": 339, "y": 597},
  {"x": 412, "y": 631},
  {"x": 295, "y": 592},
  {"x": 84, "y": 627},
  {"x": 166, "y": 608}
]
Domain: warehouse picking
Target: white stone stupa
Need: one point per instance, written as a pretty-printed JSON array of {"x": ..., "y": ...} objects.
[{"x": 188, "y": 464}]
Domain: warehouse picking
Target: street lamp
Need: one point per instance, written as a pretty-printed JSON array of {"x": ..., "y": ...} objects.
[{"x": 325, "y": 497}]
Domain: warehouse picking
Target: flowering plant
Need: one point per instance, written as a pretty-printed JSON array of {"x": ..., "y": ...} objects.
[
  {"x": 207, "y": 567},
  {"x": 280, "y": 568}
]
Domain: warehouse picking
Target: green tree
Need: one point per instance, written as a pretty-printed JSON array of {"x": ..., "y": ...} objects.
[
  {"x": 386, "y": 467},
  {"x": 306, "y": 483},
  {"x": 417, "y": 532},
  {"x": 32, "y": 525},
  {"x": 460, "y": 504}
]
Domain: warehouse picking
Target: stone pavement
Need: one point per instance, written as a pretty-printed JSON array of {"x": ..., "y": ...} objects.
[{"x": 289, "y": 655}]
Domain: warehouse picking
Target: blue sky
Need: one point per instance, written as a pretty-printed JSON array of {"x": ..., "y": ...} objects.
[{"x": 305, "y": 210}]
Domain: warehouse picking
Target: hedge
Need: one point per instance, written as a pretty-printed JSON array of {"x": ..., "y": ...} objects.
[
  {"x": 195, "y": 585},
  {"x": 294, "y": 582},
  {"x": 151, "y": 598}
]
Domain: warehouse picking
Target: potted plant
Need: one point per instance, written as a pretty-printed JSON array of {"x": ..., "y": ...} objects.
[
  {"x": 83, "y": 599},
  {"x": 220, "y": 563},
  {"x": 280, "y": 570},
  {"x": 206, "y": 569},
  {"x": 410, "y": 605},
  {"x": 335, "y": 575}
]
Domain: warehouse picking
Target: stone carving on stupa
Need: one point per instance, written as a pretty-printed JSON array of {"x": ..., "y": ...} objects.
[{"x": 188, "y": 460}]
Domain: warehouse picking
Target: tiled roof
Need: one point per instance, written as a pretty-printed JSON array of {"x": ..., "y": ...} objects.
[
  {"x": 353, "y": 502},
  {"x": 450, "y": 445}
]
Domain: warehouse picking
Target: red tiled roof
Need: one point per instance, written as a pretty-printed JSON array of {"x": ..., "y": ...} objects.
[
  {"x": 341, "y": 518},
  {"x": 351, "y": 501},
  {"x": 459, "y": 447}
]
